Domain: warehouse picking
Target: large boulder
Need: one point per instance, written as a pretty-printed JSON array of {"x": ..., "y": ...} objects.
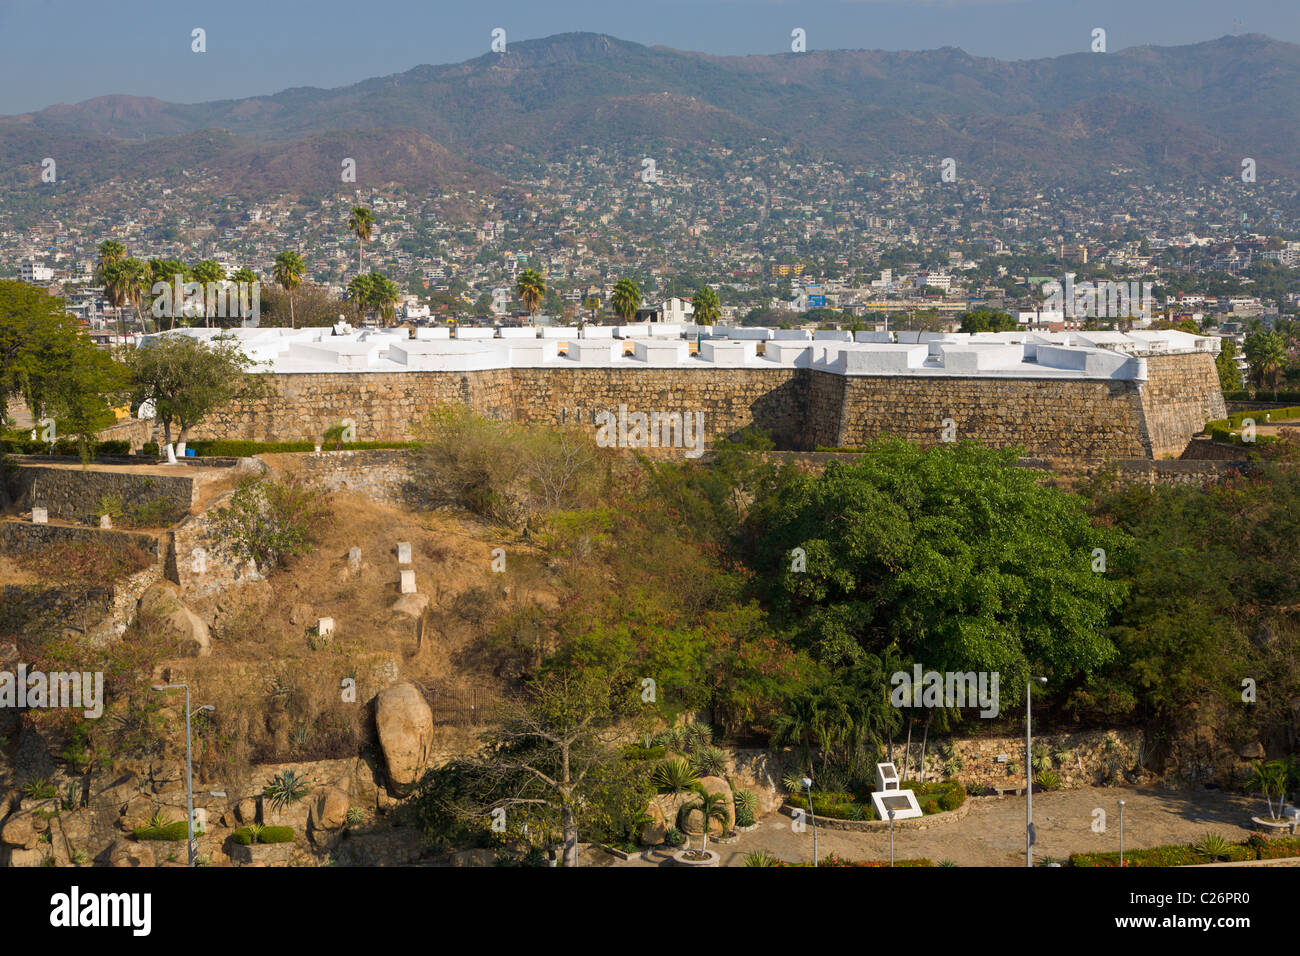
[
  {"x": 655, "y": 829},
  {"x": 126, "y": 852},
  {"x": 405, "y": 725},
  {"x": 162, "y": 602},
  {"x": 20, "y": 831},
  {"x": 695, "y": 819},
  {"x": 329, "y": 809}
]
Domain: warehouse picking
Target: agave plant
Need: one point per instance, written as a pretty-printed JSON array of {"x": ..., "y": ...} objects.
[
  {"x": 1047, "y": 780},
  {"x": 39, "y": 789},
  {"x": 793, "y": 781},
  {"x": 255, "y": 831},
  {"x": 355, "y": 816},
  {"x": 285, "y": 789},
  {"x": 675, "y": 775},
  {"x": 1212, "y": 845},
  {"x": 1062, "y": 755},
  {"x": 698, "y": 736},
  {"x": 946, "y": 862},
  {"x": 746, "y": 808},
  {"x": 760, "y": 858},
  {"x": 1042, "y": 759},
  {"x": 709, "y": 761},
  {"x": 158, "y": 821}
]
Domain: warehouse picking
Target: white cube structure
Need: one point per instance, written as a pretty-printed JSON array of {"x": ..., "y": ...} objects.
[
  {"x": 408, "y": 582},
  {"x": 661, "y": 352},
  {"x": 325, "y": 626},
  {"x": 599, "y": 350},
  {"x": 40, "y": 516},
  {"x": 403, "y": 552}
]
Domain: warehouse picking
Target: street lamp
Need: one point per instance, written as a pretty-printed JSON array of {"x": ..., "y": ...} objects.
[
  {"x": 891, "y": 836},
  {"x": 189, "y": 771},
  {"x": 1029, "y": 770},
  {"x": 807, "y": 785},
  {"x": 1121, "y": 834}
]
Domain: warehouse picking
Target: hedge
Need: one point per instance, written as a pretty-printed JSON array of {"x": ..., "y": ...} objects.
[
  {"x": 27, "y": 446},
  {"x": 938, "y": 796},
  {"x": 244, "y": 836},
  {"x": 1262, "y": 395},
  {"x": 172, "y": 831},
  {"x": 1255, "y": 848},
  {"x": 833, "y": 860},
  {"x": 226, "y": 448}
]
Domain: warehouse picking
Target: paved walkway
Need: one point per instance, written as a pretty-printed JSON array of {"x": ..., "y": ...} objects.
[{"x": 993, "y": 833}]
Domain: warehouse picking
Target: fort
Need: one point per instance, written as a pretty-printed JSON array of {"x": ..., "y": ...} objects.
[{"x": 1142, "y": 394}]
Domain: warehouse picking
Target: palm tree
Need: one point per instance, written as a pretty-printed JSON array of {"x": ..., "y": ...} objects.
[
  {"x": 359, "y": 294},
  {"x": 530, "y": 287},
  {"x": 243, "y": 274},
  {"x": 134, "y": 278},
  {"x": 209, "y": 270},
  {"x": 1270, "y": 779},
  {"x": 384, "y": 295},
  {"x": 361, "y": 223},
  {"x": 707, "y": 307},
  {"x": 289, "y": 268},
  {"x": 626, "y": 299},
  {"x": 713, "y": 806},
  {"x": 1266, "y": 352},
  {"x": 108, "y": 273}
]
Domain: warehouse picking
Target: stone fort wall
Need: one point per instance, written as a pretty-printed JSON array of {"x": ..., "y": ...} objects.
[{"x": 802, "y": 408}]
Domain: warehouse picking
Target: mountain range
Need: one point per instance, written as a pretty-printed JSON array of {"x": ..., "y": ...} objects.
[{"x": 1163, "y": 112}]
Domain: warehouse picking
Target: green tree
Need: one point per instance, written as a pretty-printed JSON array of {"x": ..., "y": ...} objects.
[
  {"x": 1226, "y": 365},
  {"x": 554, "y": 758},
  {"x": 952, "y": 556},
  {"x": 626, "y": 299},
  {"x": 707, "y": 307},
  {"x": 360, "y": 293},
  {"x": 382, "y": 296},
  {"x": 109, "y": 273},
  {"x": 186, "y": 380},
  {"x": 361, "y": 223},
  {"x": 982, "y": 320},
  {"x": 531, "y": 289},
  {"x": 289, "y": 268},
  {"x": 711, "y": 806},
  {"x": 1267, "y": 355}
]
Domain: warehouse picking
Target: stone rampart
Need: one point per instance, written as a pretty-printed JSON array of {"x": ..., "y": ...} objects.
[{"x": 1050, "y": 415}]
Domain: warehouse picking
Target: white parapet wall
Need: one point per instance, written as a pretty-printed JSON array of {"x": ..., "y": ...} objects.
[
  {"x": 725, "y": 352},
  {"x": 661, "y": 352},
  {"x": 1026, "y": 354}
]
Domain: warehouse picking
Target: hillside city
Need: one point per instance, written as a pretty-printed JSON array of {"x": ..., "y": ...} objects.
[{"x": 652, "y": 500}]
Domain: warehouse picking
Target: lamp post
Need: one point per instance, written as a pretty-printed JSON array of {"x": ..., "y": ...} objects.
[
  {"x": 891, "y": 836},
  {"x": 807, "y": 785},
  {"x": 1029, "y": 769},
  {"x": 1121, "y": 834},
  {"x": 189, "y": 771}
]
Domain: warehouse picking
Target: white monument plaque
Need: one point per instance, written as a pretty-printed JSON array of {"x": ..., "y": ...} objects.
[{"x": 408, "y": 582}]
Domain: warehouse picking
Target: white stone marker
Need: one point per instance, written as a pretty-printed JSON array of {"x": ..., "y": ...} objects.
[
  {"x": 354, "y": 559},
  {"x": 325, "y": 626},
  {"x": 105, "y": 522},
  {"x": 199, "y": 557},
  {"x": 403, "y": 552},
  {"x": 40, "y": 516},
  {"x": 408, "y": 582}
]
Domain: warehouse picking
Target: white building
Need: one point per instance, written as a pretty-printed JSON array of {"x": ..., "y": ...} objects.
[
  {"x": 31, "y": 272},
  {"x": 677, "y": 311}
]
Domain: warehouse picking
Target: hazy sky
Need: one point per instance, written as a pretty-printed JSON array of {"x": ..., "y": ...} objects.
[{"x": 64, "y": 51}]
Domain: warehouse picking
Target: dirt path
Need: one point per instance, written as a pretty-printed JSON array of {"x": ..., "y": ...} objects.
[{"x": 993, "y": 834}]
